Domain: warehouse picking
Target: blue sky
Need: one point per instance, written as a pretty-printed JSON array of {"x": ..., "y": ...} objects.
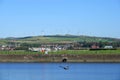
[{"x": 19, "y": 18}]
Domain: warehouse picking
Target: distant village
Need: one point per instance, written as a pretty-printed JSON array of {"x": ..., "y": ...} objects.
[{"x": 45, "y": 48}]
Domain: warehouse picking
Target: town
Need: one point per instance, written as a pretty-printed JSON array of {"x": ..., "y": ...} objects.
[{"x": 53, "y": 43}]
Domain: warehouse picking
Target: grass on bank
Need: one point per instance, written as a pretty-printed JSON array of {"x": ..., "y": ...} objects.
[
  {"x": 19, "y": 52},
  {"x": 87, "y": 52}
]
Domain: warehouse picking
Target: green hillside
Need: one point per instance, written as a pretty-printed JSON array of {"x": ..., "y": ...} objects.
[{"x": 57, "y": 39}]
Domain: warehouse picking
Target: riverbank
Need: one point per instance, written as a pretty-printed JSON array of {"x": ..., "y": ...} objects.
[{"x": 60, "y": 58}]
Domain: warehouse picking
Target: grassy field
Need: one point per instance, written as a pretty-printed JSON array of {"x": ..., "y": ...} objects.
[
  {"x": 56, "y": 39},
  {"x": 87, "y": 52},
  {"x": 19, "y": 52},
  {"x": 64, "y": 52}
]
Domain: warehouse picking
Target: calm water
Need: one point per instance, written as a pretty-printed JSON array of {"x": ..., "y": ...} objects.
[{"x": 53, "y": 71}]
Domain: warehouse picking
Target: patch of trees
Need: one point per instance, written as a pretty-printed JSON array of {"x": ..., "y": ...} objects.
[
  {"x": 30, "y": 45},
  {"x": 25, "y": 46},
  {"x": 100, "y": 44}
]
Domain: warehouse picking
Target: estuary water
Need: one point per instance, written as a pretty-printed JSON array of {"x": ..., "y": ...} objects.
[{"x": 59, "y": 71}]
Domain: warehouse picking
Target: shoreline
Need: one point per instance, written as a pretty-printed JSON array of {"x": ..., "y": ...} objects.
[{"x": 83, "y": 58}]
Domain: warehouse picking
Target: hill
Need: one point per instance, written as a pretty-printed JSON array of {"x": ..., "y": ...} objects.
[{"x": 57, "y": 39}]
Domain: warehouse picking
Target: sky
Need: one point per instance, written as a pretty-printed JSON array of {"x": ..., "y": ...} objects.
[{"x": 20, "y": 18}]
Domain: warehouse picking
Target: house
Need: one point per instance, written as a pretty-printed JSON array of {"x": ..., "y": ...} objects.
[
  {"x": 7, "y": 47},
  {"x": 108, "y": 47},
  {"x": 39, "y": 49},
  {"x": 95, "y": 47}
]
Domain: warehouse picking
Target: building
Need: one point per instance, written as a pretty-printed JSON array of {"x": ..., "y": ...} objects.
[{"x": 108, "y": 47}]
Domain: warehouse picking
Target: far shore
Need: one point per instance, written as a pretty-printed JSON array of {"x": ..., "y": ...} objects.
[{"x": 61, "y": 58}]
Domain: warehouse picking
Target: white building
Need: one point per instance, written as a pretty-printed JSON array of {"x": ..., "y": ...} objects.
[
  {"x": 39, "y": 49},
  {"x": 108, "y": 47}
]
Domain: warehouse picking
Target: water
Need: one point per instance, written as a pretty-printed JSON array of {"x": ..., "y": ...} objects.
[{"x": 53, "y": 71}]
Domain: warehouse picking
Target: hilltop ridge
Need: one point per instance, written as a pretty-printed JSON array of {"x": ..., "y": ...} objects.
[{"x": 58, "y": 39}]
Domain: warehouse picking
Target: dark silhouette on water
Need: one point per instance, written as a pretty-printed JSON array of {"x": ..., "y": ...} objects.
[{"x": 64, "y": 67}]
